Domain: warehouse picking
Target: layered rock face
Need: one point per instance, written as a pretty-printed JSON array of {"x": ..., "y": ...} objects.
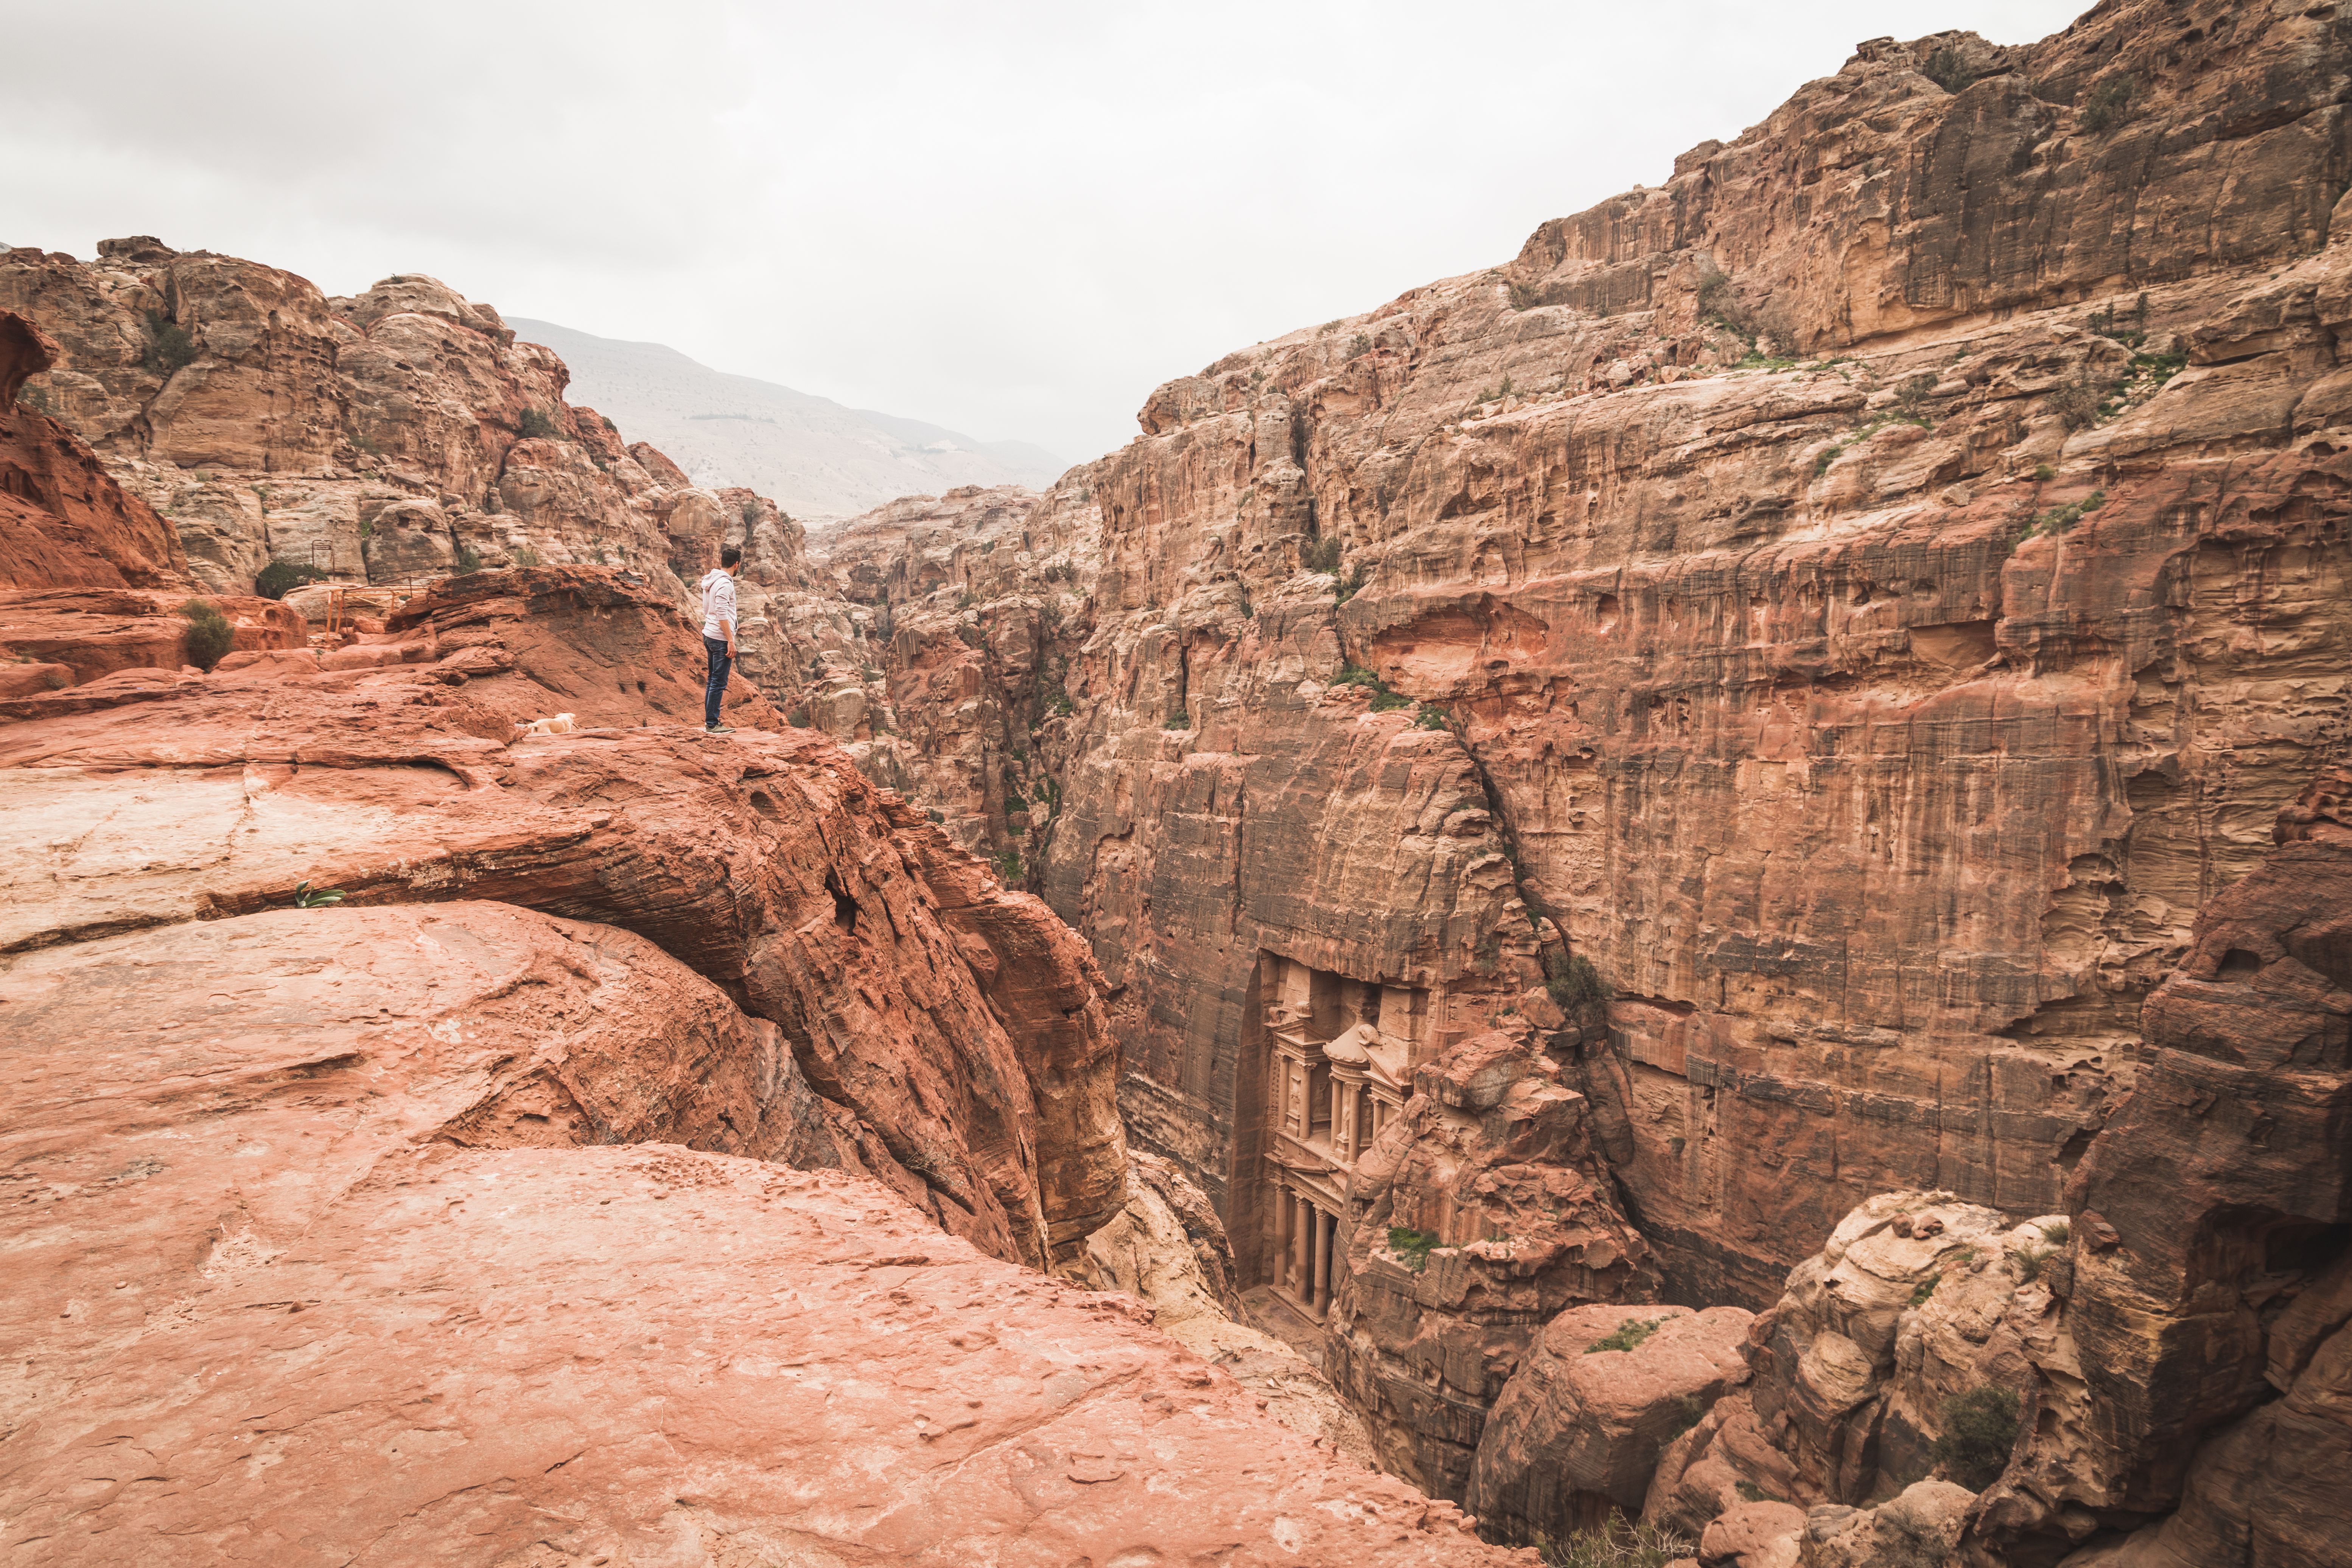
[
  {"x": 1480, "y": 1213},
  {"x": 628, "y": 1141},
  {"x": 303, "y": 1184},
  {"x": 389, "y": 438},
  {"x": 1876, "y": 599},
  {"x": 63, "y": 521},
  {"x": 960, "y": 1022},
  {"x": 1867, "y": 596}
]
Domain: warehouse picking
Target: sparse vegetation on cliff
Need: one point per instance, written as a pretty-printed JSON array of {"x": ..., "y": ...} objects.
[
  {"x": 209, "y": 636},
  {"x": 2110, "y": 103},
  {"x": 1979, "y": 1430},
  {"x": 1618, "y": 1543},
  {"x": 1629, "y": 1335},
  {"x": 1412, "y": 1247},
  {"x": 1946, "y": 70},
  {"x": 535, "y": 424},
  {"x": 1573, "y": 979},
  {"x": 171, "y": 347}
]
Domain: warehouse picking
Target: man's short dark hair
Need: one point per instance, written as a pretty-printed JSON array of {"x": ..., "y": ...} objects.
[{"x": 730, "y": 556}]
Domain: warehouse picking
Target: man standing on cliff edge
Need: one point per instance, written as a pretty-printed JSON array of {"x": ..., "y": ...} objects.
[{"x": 718, "y": 633}]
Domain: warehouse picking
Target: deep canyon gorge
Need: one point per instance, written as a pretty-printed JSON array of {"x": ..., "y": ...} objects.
[{"x": 1704, "y": 877}]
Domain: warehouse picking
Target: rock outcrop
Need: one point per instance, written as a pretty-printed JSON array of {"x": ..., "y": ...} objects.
[
  {"x": 1863, "y": 601},
  {"x": 1479, "y": 1215},
  {"x": 296, "y": 1186},
  {"x": 64, "y": 523},
  {"x": 960, "y": 1023},
  {"x": 1574, "y": 1440},
  {"x": 628, "y": 1141},
  {"x": 386, "y": 440}
]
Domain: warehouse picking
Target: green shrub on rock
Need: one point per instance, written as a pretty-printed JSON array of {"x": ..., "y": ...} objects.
[{"x": 210, "y": 637}]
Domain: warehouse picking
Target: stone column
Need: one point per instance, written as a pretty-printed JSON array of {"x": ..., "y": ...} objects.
[
  {"x": 1281, "y": 1233},
  {"x": 1322, "y": 1261},
  {"x": 1301, "y": 1251}
]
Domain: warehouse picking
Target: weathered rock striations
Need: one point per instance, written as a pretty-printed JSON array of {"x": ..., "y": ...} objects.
[
  {"x": 1875, "y": 720},
  {"x": 63, "y": 521},
  {"x": 389, "y": 439},
  {"x": 299, "y": 1178},
  {"x": 1480, "y": 1213},
  {"x": 960, "y": 1023},
  {"x": 325, "y": 1183}
]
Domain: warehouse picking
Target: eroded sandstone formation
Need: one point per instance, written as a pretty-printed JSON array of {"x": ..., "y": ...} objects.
[
  {"x": 311, "y": 1225},
  {"x": 628, "y": 1141}
]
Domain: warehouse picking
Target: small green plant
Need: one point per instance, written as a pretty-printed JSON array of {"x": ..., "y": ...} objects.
[
  {"x": 1912, "y": 395},
  {"x": 2110, "y": 103},
  {"x": 2031, "y": 1261},
  {"x": 2080, "y": 401},
  {"x": 1627, "y": 1335},
  {"x": 1177, "y": 719},
  {"x": 171, "y": 347},
  {"x": 534, "y": 424},
  {"x": 1346, "y": 587},
  {"x": 1925, "y": 1289},
  {"x": 304, "y": 899},
  {"x": 1574, "y": 982},
  {"x": 469, "y": 560},
  {"x": 2060, "y": 519},
  {"x": 524, "y": 556},
  {"x": 937, "y": 819},
  {"x": 2043, "y": 473},
  {"x": 1008, "y": 869},
  {"x": 1752, "y": 1492},
  {"x": 1358, "y": 346},
  {"x": 1387, "y": 701},
  {"x": 1322, "y": 555},
  {"x": 1944, "y": 68},
  {"x": 1524, "y": 297},
  {"x": 1617, "y": 1543},
  {"x": 1429, "y": 718},
  {"x": 2058, "y": 1233},
  {"x": 1412, "y": 1245},
  {"x": 209, "y": 634},
  {"x": 615, "y": 429},
  {"x": 1822, "y": 460},
  {"x": 281, "y": 576},
  {"x": 1979, "y": 1430}
]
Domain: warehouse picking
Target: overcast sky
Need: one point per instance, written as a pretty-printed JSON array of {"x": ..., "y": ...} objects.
[{"x": 1015, "y": 220}]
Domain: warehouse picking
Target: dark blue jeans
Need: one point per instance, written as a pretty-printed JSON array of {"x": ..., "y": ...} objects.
[{"x": 720, "y": 663}]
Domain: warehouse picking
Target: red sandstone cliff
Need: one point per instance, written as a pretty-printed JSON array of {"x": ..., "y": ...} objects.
[
  {"x": 637, "y": 1155},
  {"x": 1873, "y": 591}
]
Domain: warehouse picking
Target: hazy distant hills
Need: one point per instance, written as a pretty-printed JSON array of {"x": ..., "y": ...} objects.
[{"x": 816, "y": 458}]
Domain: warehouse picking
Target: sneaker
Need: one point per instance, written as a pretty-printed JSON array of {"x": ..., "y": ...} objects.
[{"x": 717, "y": 730}]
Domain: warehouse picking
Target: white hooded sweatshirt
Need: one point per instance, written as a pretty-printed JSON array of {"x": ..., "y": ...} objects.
[{"x": 717, "y": 602}]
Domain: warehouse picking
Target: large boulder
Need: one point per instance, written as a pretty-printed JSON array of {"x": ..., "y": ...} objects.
[
  {"x": 1492, "y": 1157},
  {"x": 1576, "y": 1436}
]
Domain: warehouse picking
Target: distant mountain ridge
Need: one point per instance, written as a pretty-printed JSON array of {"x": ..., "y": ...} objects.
[{"x": 818, "y": 459}]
